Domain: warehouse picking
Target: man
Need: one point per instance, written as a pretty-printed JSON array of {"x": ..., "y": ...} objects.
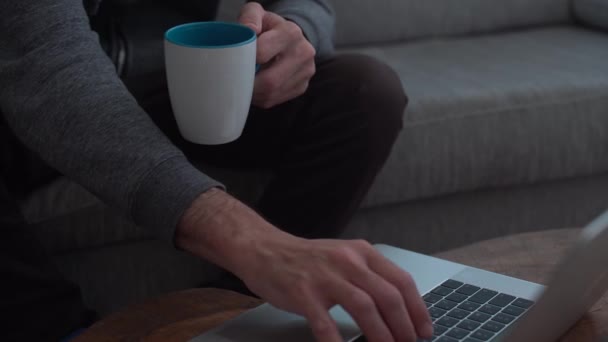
[{"x": 324, "y": 124}]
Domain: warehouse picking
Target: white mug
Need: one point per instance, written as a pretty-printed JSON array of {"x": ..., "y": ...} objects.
[{"x": 210, "y": 73}]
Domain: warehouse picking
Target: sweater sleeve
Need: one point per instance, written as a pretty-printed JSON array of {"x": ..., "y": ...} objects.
[
  {"x": 60, "y": 94},
  {"x": 315, "y": 18}
]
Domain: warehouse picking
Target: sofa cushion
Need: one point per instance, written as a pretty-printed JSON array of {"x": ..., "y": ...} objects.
[
  {"x": 497, "y": 110},
  {"x": 365, "y": 21},
  {"x": 592, "y": 12}
]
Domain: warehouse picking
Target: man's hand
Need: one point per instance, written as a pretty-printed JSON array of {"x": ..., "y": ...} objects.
[
  {"x": 306, "y": 277},
  {"x": 286, "y": 56}
]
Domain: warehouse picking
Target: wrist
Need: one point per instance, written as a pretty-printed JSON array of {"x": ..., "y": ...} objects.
[{"x": 224, "y": 231}]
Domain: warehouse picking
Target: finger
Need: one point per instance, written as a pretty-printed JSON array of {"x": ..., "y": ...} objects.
[
  {"x": 322, "y": 325},
  {"x": 363, "y": 310},
  {"x": 300, "y": 58},
  {"x": 404, "y": 282},
  {"x": 269, "y": 81},
  {"x": 271, "y": 20},
  {"x": 274, "y": 41},
  {"x": 252, "y": 15},
  {"x": 390, "y": 302},
  {"x": 295, "y": 86}
]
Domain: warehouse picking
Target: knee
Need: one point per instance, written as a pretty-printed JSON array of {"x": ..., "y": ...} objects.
[{"x": 376, "y": 92}]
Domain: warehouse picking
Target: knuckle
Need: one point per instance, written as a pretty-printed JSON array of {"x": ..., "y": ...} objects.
[
  {"x": 293, "y": 30},
  {"x": 269, "y": 83},
  {"x": 305, "y": 50},
  {"x": 263, "y": 55},
  {"x": 362, "y": 303},
  {"x": 391, "y": 299},
  {"x": 343, "y": 254},
  {"x": 300, "y": 292},
  {"x": 362, "y": 245},
  {"x": 309, "y": 51}
]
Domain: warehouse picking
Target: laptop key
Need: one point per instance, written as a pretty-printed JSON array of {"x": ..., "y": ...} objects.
[
  {"x": 457, "y": 297},
  {"x": 468, "y": 289},
  {"x": 459, "y": 313},
  {"x": 503, "y": 318},
  {"x": 502, "y": 300},
  {"x": 482, "y": 296},
  {"x": 453, "y": 284},
  {"x": 483, "y": 335},
  {"x": 479, "y": 317},
  {"x": 436, "y": 312},
  {"x": 442, "y": 291},
  {"x": 469, "y": 306},
  {"x": 489, "y": 309},
  {"x": 446, "y": 305},
  {"x": 447, "y": 321},
  {"x": 523, "y": 303},
  {"x": 431, "y": 298},
  {"x": 469, "y": 325},
  {"x": 513, "y": 310},
  {"x": 458, "y": 333},
  {"x": 493, "y": 326},
  {"x": 428, "y": 305},
  {"x": 439, "y": 329}
]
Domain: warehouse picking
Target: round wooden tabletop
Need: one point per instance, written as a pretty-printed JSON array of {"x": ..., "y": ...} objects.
[{"x": 183, "y": 315}]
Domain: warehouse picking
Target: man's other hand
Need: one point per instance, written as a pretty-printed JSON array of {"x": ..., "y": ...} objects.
[
  {"x": 286, "y": 57},
  {"x": 306, "y": 277}
]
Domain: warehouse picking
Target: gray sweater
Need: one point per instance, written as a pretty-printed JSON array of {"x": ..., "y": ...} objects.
[{"x": 60, "y": 94}]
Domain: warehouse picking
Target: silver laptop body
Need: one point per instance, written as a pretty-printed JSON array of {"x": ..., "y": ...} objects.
[{"x": 577, "y": 283}]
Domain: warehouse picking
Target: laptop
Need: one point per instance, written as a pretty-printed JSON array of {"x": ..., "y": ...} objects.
[{"x": 465, "y": 303}]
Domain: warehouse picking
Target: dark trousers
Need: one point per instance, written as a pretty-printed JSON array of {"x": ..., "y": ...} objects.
[{"x": 324, "y": 147}]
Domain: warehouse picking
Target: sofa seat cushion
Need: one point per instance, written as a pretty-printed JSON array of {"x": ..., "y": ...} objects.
[{"x": 497, "y": 110}]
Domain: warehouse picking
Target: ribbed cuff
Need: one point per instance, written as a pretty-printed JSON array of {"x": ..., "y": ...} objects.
[{"x": 166, "y": 193}]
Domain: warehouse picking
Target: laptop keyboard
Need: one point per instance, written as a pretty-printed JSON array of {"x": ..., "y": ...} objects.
[{"x": 465, "y": 312}]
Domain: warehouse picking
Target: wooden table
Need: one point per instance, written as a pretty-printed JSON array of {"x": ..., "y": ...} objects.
[{"x": 182, "y": 315}]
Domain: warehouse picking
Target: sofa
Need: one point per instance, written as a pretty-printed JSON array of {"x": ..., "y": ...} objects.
[{"x": 506, "y": 131}]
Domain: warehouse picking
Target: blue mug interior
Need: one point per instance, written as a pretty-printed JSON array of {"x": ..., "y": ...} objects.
[{"x": 210, "y": 34}]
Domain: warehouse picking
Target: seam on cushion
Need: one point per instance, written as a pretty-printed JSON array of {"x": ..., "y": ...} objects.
[{"x": 497, "y": 111}]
